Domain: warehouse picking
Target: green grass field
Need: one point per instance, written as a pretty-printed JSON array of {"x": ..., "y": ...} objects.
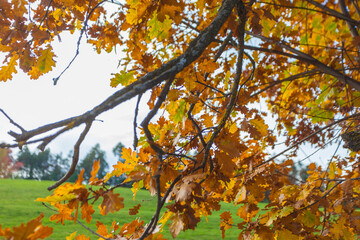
[{"x": 17, "y": 205}]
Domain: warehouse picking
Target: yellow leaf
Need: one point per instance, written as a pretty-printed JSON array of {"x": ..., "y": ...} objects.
[
  {"x": 6, "y": 72},
  {"x": 137, "y": 10},
  {"x": 165, "y": 218},
  {"x": 78, "y": 24},
  {"x": 45, "y": 61},
  {"x": 136, "y": 187},
  {"x": 200, "y": 4},
  {"x": 233, "y": 128},
  {"x": 57, "y": 14},
  {"x": 332, "y": 170},
  {"x": 62, "y": 193},
  {"x": 260, "y": 125},
  {"x": 71, "y": 236},
  {"x": 123, "y": 78}
]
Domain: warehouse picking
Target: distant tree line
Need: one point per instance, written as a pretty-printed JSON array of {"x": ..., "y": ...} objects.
[{"x": 45, "y": 165}]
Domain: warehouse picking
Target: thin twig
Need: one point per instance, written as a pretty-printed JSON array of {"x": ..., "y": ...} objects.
[
  {"x": 310, "y": 60},
  {"x": 82, "y": 31},
  {"x": 308, "y": 137},
  {"x": 152, "y": 113},
  {"x": 12, "y": 121},
  {"x": 235, "y": 87}
]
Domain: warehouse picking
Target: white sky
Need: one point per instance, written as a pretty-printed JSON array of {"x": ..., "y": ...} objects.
[{"x": 33, "y": 103}]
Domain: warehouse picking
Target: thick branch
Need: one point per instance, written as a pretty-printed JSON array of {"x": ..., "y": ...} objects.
[
  {"x": 310, "y": 60},
  {"x": 351, "y": 26},
  {"x": 334, "y": 13},
  {"x": 148, "y": 81}
]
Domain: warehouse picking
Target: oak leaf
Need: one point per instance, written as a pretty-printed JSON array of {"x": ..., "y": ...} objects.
[
  {"x": 8, "y": 70},
  {"x": 134, "y": 210},
  {"x": 112, "y": 202},
  {"x": 64, "y": 213},
  {"x": 159, "y": 29},
  {"x": 176, "y": 225},
  {"x": 93, "y": 180},
  {"x": 30, "y": 231},
  {"x": 226, "y": 222},
  {"x": 45, "y": 62},
  {"x": 87, "y": 211}
]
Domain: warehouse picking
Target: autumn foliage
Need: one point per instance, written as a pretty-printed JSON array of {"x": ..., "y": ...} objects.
[
  {"x": 8, "y": 166},
  {"x": 238, "y": 88}
]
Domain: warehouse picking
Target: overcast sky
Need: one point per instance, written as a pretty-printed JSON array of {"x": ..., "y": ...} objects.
[{"x": 33, "y": 103}]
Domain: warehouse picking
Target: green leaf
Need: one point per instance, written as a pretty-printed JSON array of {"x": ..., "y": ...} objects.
[
  {"x": 158, "y": 29},
  {"x": 309, "y": 219},
  {"x": 180, "y": 111}
]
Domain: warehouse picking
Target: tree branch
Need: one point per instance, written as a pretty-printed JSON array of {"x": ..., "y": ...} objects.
[
  {"x": 235, "y": 88},
  {"x": 310, "y": 60},
  {"x": 334, "y": 13},
  {"x": 148, "y": 81},
  {"x": 75, "y": 158},
  {"x": 307, "y": 137}
]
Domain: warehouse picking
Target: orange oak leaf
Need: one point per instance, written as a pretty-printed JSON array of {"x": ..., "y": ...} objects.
[
  {"x": 129, "y": 229},
  {"x": 64, "y": 213},
  {"x": 226, "y": 222},
  {"x": 93, "y": 180},
  {"x": 102, "y": 230},
  {"x": 87, "y": 211},
  {"x": 30, "y": 231},
  {"x": 8, "y": 70}
]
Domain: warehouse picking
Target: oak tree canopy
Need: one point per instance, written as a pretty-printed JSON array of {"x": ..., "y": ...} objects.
[{"x": 229, "y": 82}]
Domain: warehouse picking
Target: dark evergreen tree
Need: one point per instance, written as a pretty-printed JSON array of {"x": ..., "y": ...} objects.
[{"x": 96, "y": 153}]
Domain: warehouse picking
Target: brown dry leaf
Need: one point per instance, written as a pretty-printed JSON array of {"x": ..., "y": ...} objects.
[
  {"x": 134, "y": 210},
  {"x": 112, "y": 202},
  {"x": 176, "y": 225}
]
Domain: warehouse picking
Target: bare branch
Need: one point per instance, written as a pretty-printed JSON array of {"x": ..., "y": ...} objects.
[
  {"x": 12, "y": 121},
  {"x": 75, "y": 158}
]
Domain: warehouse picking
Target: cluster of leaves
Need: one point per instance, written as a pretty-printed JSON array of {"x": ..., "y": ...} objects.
[{"x": 210, "y": 65}]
